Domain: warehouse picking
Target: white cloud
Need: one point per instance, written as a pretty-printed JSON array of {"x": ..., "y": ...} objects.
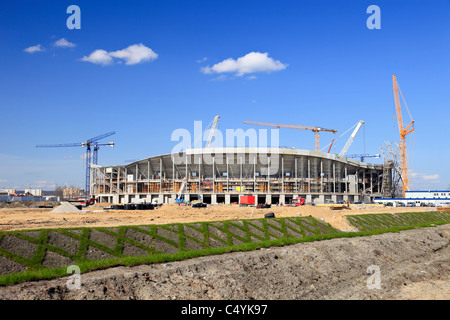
[
  {"x": 98, "y": 57},
  {"x": 250, "y": 63},
  {"x": 33, "y": 49},
  {"x": 424, "y": 176},
  {"x": 3, "y": 180},
  {"x": 424, "y": 181},
  {"x": 63, "y": 43},
  {"x": 430, "y": 177},
  {"x": 201, "y": 60},
  {"x": 220, "y": 78},
  {"x": 134, "y": 54}
]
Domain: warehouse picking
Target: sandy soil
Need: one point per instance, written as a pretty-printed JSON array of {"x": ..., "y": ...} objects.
[
  {"x": 412, "y": 264},
  {"x": 29, "y": 218}
]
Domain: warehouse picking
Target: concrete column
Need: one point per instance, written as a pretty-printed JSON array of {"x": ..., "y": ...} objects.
[
  {"x": 115, "y": 199},
  {"x": 254, "y": 177},
  {"x": 268, "y": 198},
  {"x": 227, "y": 199},
  {"x": 256, "y": 198},
  {"x": 309, "y": 175},
  {"x": 282, "y": 175},
  {"x": 357, "y": 181},
  {"x": 186, "y": 167},
  {"x": 308, "y": 198},
  {"x": 213, "y": 198},
  {"x": 148, "y": 176},
  {"x": 296, "y": 177},
  {"x": 378, "y": 182},
  {"x": 160, "y": 176},
  {"x": 137, "y": 176},
  {"x": 364, "y": 181},
  {"x": 282, "y": 199},
  {"x": 321, "y": 176},
  {"x": 334, "y": 198},
  {"x": 321, "y": 198},
  {"x": 240, "y": 176},
  {"x": 334, "y": 177},
  {"x": 346, "y": 179},
  {"x": 173, "y": 175},
  {"x": 118, "y": 181},
  {"x": 371, "y": 183},
  {"x": 228, "y": 184}
]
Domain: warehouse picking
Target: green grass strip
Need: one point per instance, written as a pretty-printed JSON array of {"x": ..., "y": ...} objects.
[{"x": 317, "y": 230}]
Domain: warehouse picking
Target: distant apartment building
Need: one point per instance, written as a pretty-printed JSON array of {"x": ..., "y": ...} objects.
[{"x": 69, "y": 193}]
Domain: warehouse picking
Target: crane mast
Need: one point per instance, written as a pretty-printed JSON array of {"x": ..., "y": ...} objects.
[
  {"x": 403, "y": 132},
  {"x": 350, "y": 140},
  {"x": 212, "y": 131}
]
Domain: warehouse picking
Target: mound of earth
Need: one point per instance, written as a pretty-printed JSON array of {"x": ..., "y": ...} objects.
[{"x": 411, "y": 264}]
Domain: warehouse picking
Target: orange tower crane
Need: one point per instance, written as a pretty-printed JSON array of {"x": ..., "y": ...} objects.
[
  {"x": 316, "y": 130},
  {"x": 403, "y": 132}
]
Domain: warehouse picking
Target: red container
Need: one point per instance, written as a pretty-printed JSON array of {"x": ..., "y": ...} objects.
[{"x": 247, "y": 200}]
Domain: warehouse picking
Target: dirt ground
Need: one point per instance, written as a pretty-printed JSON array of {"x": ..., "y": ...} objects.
[
  {"x": 414, "y": 264},
  {"x": 30, "y": 218},
  {"x": 411, "y": 264}
]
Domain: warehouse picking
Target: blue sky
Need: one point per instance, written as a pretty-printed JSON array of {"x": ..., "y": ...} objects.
[{"x": 322, "y": 67}]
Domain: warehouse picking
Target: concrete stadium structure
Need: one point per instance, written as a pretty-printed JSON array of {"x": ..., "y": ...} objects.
[{"x": 222, "y": 175}]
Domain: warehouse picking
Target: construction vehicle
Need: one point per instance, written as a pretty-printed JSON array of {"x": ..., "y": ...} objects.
[
  {"x": 91, "y": 201},
  {"x": 299, "y": 201},
  {"x": 316, "y": 130},
  {"x": 403, "y": 132}
]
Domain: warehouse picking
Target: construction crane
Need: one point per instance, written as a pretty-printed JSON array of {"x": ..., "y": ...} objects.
[
  {"x": 316, "y": 130},
  {"x": 89, "y": 144},
  {"x": 403, "y": 132},
  {"x": 180, "y": 195},
  {"x": 214, "y": 125},
  {"x": 363, "y": 156},
  {"x": 331, "y": 144},
  {"x": 351, "y": 138}
]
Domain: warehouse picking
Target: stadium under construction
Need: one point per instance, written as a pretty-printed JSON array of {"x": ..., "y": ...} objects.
[{"x": 225, "y": 175}]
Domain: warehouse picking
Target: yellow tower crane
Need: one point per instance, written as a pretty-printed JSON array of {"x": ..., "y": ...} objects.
[
  {"x": 316, "y": 130},
  {"x": 403, "y": 132}
]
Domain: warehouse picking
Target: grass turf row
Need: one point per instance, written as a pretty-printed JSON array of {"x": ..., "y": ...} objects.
[{"x": 46, "y": 253}]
